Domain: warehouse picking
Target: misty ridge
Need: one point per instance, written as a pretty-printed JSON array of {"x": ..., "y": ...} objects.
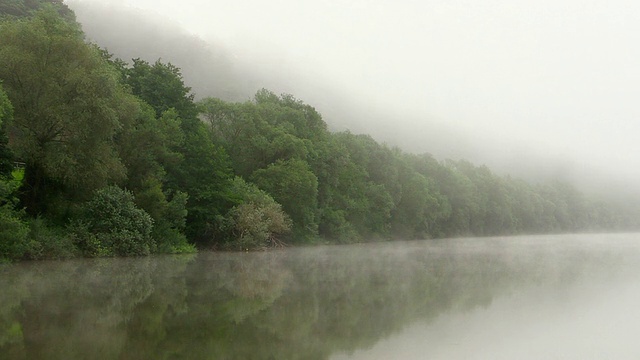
[
  {"x": 212, "y": 68},
  {"x": 119, "y": 157}
]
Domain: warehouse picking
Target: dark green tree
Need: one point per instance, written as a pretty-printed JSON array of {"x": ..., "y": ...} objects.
[
  {"x": 205, "y": 175},
  {"x": 191, "y": 162}
]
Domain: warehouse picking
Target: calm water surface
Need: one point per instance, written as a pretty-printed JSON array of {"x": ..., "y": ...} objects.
[{"x": 536, "y": 297}]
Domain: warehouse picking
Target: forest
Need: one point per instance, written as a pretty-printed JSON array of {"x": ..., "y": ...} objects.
[{"x": 105, "y": 157}]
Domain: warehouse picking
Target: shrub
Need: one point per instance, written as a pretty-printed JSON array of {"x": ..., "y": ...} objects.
[
  {"x": 48, "y": 242},
  {"x": 111, "y": 224},
  {"x": 258, "y": 220},
  {"x": 13, "y": 230},
  {"x": 13, "y": 235}
]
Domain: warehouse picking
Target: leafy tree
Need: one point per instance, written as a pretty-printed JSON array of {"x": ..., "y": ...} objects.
[
  {"x": 168, "y": 211},
  {"x": 373, "y": 184},
  {"x": 292, "y": 184},
  {"x": 64, "y": 98},
  {"x": 181, "y": 154},
  {"x": 257, "y": 134},
  {"x": 419, "y": 211},
  {"x": 336, "y": 173},
  {"x": 162, "y": 87},
  {"x": 302, "y": 120},
  {"x": 205, "y": 175}
]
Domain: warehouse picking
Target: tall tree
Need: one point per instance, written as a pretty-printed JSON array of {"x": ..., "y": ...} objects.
[
  {"x": 193, "y": 163},
  {"x": 64, "y": 96}
]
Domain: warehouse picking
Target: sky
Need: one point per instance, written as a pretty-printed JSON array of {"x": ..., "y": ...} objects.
[{"x": 521, "y": 83}]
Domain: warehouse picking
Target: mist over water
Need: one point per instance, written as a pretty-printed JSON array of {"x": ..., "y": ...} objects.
[
  {"x": 572, "y": 311},
  {"x": 566, "y": 297}
]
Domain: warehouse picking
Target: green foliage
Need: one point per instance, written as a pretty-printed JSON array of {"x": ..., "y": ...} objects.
[
  {"x": 13, "y": 228},
  {"x": 293, "y": 184},
  {"x": 176, "y": 150},
  {"x": 258, "y": 221},
  {"x": 113, "y": 225},
  {"x": 146, "y": 144},
  {"x": 205, "y": 175},
  {"x": 6, "y": 109},
  {"x": 13, "y": 234},
  {"x": 421, "y": 209},
  {"x": 22, "y": 238},
  {"x": 12, "y": 9},
  {"x": 169, "y": 217},
  {"x": 6, "y": 155},
  {"x": 48, "y": 242},
  {"x": 64, "y": 113},
  {"x": 162, "y": 87},
  {"x": 256, "y": 134}
]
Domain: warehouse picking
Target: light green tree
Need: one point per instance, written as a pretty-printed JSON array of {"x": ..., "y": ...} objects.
[{"x": 259, "y": 220}]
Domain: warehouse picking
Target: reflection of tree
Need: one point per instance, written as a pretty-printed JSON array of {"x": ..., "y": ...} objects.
[
  {"x": 298, "y": 303},
  {"x": 79, "y": 309}
]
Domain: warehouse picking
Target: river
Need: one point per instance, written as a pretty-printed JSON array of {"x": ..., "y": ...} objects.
[{"x": 528, "y": 297}]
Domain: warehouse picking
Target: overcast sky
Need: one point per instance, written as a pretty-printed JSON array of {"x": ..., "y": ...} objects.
[{"x": 558, "y": 79}]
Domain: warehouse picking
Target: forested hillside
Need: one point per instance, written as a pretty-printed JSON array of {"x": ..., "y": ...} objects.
[{"x": 102, "y": 157}]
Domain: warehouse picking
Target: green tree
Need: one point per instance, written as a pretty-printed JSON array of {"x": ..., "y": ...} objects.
[
  {"x": 205, "y": 175},
  {"x": 64, "y": 97},
  {"x": 292, "y": 184},
  {"x": 302, "y": 120},
  {"x": 191, "y": 162},
  {"x": 256, "y": 134},
  {"x": 162, "y": 87},
  {"x": 147, "y": 146}
]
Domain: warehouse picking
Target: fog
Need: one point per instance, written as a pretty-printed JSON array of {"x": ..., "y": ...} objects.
[{"x": 538, "y": 89}]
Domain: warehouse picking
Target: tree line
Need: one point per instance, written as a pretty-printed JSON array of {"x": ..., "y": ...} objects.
[{"x": 120, "y": 159}]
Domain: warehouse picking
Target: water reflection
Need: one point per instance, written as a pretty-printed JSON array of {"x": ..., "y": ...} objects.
[{"x": 303, "y": 303}]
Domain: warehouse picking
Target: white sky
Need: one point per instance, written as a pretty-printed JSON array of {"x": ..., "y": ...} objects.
[{"x": 557, "y": 78}]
